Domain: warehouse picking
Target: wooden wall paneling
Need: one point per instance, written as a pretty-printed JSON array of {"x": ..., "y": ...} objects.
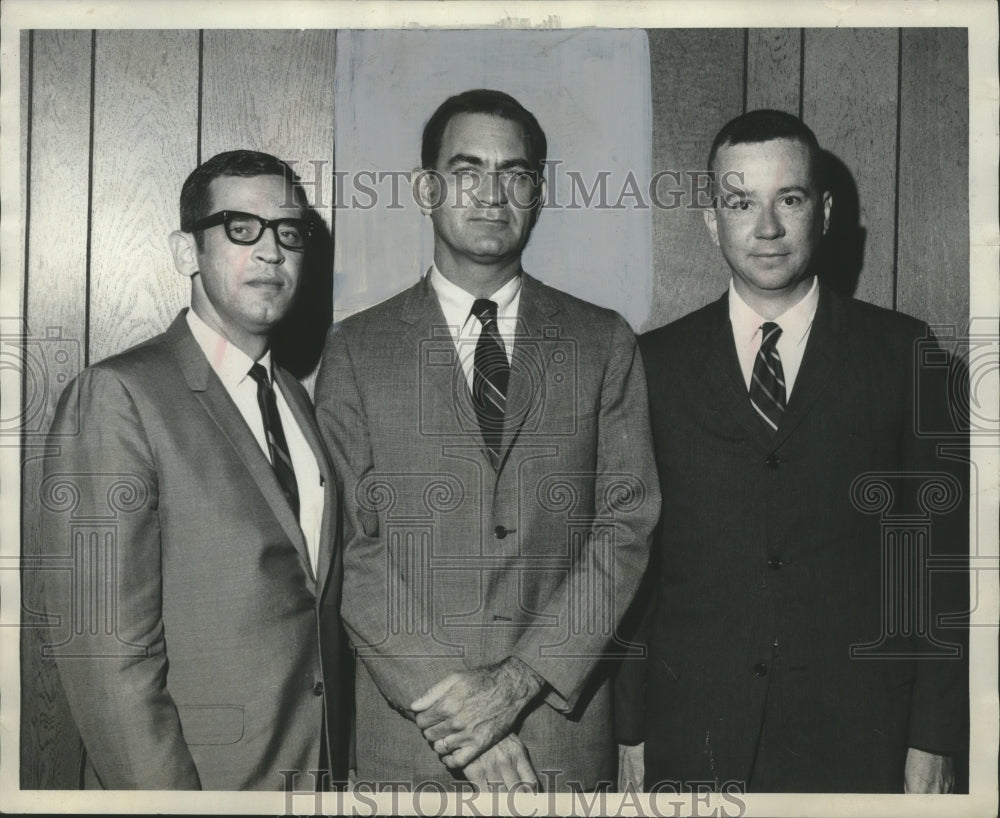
[
  {"x": 693, "y": 96},
  {"x": 773, "y": 69},
  {"x": 849, "y": 99},
  {"x": 933, "y": 245},
  {"x": 145, "y": 144},
  {"x": 55, "y": 304},
  {"x": 278, "y": 98}
]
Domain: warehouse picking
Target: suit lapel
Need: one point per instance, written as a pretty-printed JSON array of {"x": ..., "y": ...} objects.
[
  {"x": 441, "y": 377},
  {"x": 819, "y": 363},
  {"x": 208, "y": 389},
  {"x": 535, "y": 313},
  {"x": 306, "y": 421}
]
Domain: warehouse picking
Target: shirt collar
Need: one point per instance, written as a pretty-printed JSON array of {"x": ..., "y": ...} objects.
[
  {"x": 794, "y": 322},
  {"x": 230, "y": 363},
  {"x": 456, "y": 303}
]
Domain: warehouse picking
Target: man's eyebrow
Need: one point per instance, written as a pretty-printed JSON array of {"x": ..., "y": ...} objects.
[
  {"x": 476, "y": 161},
  {"x": 465, "y": 159},
  {"x": 507, "y": 164},
  {"x": 793, "y": 189}
]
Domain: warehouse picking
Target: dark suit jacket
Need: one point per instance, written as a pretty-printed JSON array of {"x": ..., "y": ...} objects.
[
  {"x": 776, "y": 555},
  {"x": 196, "y": 646},
  {"x": 450, "y": 564}
]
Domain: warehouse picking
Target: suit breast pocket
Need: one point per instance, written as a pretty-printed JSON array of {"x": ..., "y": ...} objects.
[{"x": 211, "y": 724}]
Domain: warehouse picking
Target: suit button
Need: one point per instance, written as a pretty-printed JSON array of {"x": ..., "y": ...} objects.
[
  {"x": 500, "y": 532},
  {"x": 317, "y": 689},
  {"x": 760, "y": 669},
  {"x": 772, "y": 461},
  {"x": 775, "y": 563}
]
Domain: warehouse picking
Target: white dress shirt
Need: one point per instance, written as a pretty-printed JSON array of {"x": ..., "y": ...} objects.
[
  {"x": 795, "y": 323},
  {"x": 232, "y": 365},
  {"x": 456, "y": 304}
]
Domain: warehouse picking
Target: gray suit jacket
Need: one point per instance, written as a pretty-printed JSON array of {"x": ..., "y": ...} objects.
[
  {"x": 451, "y": 564},
  {"x": 196, "y": 645}
]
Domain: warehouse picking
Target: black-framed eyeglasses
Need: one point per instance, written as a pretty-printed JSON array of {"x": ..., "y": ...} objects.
[{"x": 247, "y": 228}]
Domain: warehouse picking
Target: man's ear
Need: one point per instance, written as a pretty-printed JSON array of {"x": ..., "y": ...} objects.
[
  {"x": 827, "y": 208},
  {"x": 711, "y": 222},
  {"x": 541, "y": 198},
  {"x": 184, "y": 251},
  {"x": 428, "y": 189}
]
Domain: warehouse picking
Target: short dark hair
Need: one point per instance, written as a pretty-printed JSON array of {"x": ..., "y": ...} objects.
[
  {"x": 196, "y": 198},
  {"x": 763, "y": 125},
  {"x": 482, "y": 101}
]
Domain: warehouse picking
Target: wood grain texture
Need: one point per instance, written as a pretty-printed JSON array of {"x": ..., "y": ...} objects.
[
  {"x": 773, "y": 63},
  {"x": 145, "y": 115},
  {"x": 850, "y": 102},
  {"x": 56, "y": 268},
  {"x": 693, "y": 97},
  {"x": 933, "y": 250},
  {"x": 278, "y": 98}
]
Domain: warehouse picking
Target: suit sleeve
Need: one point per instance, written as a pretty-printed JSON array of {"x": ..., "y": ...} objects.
[
  {"x": 99, "y": 515},
  {"x": 626, "y": 491},
  {"x": 937, "y": 444},
  {"x": 403, "y": 665}
]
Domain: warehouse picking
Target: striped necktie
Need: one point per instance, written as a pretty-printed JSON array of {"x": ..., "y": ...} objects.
[
  {"x": 767, "y": 383},
  {"x": 277, "y": 447},
  {"x": 490, "y": 378}
]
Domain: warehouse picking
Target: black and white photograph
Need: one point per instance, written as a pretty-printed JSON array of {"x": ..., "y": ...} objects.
[{"x": 445, "y": 408}]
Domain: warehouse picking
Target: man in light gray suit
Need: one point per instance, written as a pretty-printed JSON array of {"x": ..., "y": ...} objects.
[
  {"x": 198, "y": 637},
  {"x": 500, "y": 493}
]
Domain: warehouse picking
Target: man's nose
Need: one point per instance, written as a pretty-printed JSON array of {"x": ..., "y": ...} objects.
[
  {"x": 267, "y": 247},
  {"x": 768, "y": 224},
  {"x": 492, "y": 190}
]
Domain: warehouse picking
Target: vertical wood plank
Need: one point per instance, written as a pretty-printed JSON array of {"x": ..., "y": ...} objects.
[
  {"x": 693, "y": 97},
  {"x": 278, "y": 98},
  {"x": 55, "y": 305},
  {"x": 773, "y": 68},
  {"x": 933, "y": 250},
  {"x": 145, "y": 137},
  {"x": 850, "y": 102}
]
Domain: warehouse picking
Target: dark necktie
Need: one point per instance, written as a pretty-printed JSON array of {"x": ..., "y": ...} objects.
[
  {"x": 490, "y": 377},
  {"x": 767, "y": 383},
  {"x": 276, "y": 444}
]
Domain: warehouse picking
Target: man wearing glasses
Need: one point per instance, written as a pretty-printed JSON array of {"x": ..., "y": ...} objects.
[{"x": 200, "y": 648}]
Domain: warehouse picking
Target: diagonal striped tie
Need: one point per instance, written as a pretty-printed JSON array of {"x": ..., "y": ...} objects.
[
  {"x": 490, "y": 378},
  {"x": 767, "y": 383},
  {"x": 277, "y": 447}
]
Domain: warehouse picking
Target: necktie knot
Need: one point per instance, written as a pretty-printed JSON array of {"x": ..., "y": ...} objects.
[
  {"x": 259, "y": 374},
  {"x": 770, "y": 333},
  {"x": 485, "y": 310}
]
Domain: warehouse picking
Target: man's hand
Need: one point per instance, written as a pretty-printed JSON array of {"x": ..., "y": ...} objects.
[
  {"x": 631, "y": 767},
  {"x": 502, "y": 767},
  {"x": 466, "y": 713},
  {"x": 928, "y": 772}
]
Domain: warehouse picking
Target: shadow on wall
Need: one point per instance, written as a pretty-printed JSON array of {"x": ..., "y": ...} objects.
[
  {"x": 842, "y": 254},
  {"x": 298, "y": 341}
]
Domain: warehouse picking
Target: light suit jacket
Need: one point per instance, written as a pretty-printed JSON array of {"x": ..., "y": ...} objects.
[
  {"x": 451, "y": 564},
  {"x": 196, "y": 645}
]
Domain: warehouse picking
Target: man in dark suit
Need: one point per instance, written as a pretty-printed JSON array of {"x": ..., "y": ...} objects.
[
  {"x": 792, "y": 624},
  {"x": 199, "y": 643},
  {"x": 500, "y": 494}
]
